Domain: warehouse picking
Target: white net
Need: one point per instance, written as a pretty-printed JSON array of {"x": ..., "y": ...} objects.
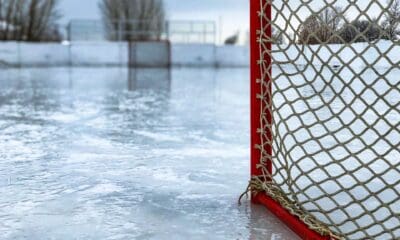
[{"x": 335, "y": 102}]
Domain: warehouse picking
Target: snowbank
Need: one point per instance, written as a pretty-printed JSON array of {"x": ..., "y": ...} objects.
[{"x": 335, "y": 54}]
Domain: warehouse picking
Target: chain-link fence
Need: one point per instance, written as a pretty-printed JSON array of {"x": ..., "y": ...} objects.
[{"x": 131, "y": 30}]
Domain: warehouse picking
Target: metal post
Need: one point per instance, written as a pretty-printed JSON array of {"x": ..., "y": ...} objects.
[
  {"x": 119, "y": 35},
  {"x": 204, "y": 32},
  {"x": 167, "y": 30},
  {"x": 256, "y": 86},
  {"x": 260, "y": 28},
  {"x": 69, "y": 32}
]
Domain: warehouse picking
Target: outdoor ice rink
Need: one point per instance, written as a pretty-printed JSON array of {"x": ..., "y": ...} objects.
[
  {"x": 117, "y": 153},
  {"x": 108, "y": 153}
]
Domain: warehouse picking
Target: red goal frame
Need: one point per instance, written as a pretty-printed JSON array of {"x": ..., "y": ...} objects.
[{"x": 256, "y": 21}]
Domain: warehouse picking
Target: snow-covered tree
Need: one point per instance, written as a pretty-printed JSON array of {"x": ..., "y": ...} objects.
[{"x": 391, "y": 23}]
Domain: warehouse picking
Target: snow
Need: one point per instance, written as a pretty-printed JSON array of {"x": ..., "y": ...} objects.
[
  {"x": 336, "y": 54},
  {"x": 5, "y": 25},
  {"x": 319, "y": 121},
  {"x": 82, "y": 157}
]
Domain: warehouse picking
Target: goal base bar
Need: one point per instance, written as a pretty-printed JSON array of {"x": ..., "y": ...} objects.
[{"x": 293, "y": 222}]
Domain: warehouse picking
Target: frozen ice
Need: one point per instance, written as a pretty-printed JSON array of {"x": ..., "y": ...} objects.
[{"x": 95, "y": 153}]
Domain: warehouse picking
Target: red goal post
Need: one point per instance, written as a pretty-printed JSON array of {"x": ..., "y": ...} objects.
[{"x": 257, "y": 20}]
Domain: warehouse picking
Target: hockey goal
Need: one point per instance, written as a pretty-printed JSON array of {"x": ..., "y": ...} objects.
[{"x": 325, "y": 116}]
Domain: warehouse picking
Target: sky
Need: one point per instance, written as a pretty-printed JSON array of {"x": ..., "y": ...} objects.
[{"x": 229, "y": 15}]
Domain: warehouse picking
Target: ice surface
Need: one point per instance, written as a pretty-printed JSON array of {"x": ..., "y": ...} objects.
[{"x": 99, "y": 154}]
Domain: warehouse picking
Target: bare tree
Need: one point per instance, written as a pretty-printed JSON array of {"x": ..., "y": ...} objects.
[
  {"x": 361, "y": 31},
  {"x": 41, "y": 19},
  {"x": 308, "y": 30},
  {"x": 29, "y": 20},
  {"x": 322, "y": 27},
  {"x": 391, "y": 22},
  {"x": 332, "y": 18},
  {"x": 132, "y": 20},
  {"x": 8, "y": 18}
]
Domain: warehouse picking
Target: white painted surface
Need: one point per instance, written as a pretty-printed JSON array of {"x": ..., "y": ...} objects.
[
  {"x": 8, "y": 53},
  {"x": 233, "y": 56},
  {"x": 198, "y": 55},
  {"x": 42, "y": 54},
  {"x": 155, "y": 54},
  {"x": 98, "y": 53},
  {"x": 143, "y": 54}
]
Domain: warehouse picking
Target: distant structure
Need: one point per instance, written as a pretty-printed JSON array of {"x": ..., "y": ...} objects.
[
  {"x": 232, "y": 40},
  {"x": 239, "y": 38}
]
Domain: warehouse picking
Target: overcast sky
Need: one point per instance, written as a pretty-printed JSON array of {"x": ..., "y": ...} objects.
[{"x": 233, "y": 13}]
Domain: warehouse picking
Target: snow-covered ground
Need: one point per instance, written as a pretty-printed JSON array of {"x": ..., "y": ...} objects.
[
  {"x": 382, "y": 54},
  {"x": 111, "y": 154},
  {"x": 340, "y": 138}
]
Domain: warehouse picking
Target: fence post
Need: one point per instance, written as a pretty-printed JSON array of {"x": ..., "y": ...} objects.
[
  {"x": 119, "y": 35},
  {"x": 167, "y": 30}
]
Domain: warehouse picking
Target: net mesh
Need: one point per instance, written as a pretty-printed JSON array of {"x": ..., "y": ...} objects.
[{"x": 332, "y": 90}]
